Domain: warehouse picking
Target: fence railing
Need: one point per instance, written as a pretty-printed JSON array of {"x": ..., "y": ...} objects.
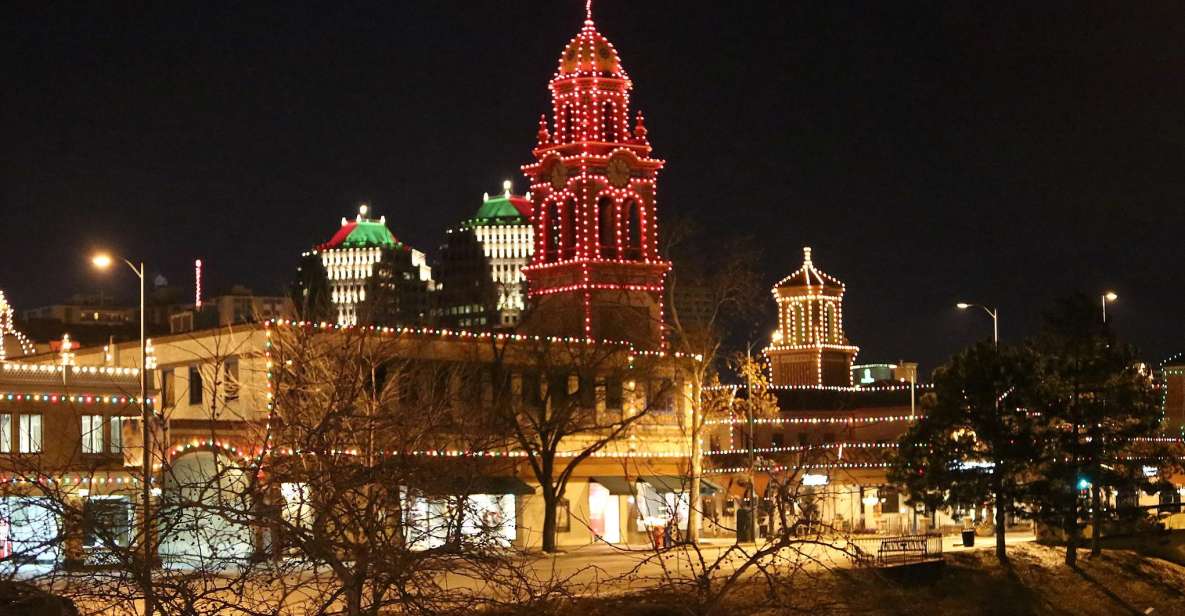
[{"x": 895, "y": 550}]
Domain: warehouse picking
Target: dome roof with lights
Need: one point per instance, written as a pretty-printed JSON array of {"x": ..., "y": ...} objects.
[
  {"x": 503, "y": 209},
  {"x": 808, "y": 275},
  {"x": 362, "y": 232},
  {"x": 590, "y": 54}
]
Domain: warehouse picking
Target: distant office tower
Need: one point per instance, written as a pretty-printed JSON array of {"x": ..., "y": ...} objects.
[{"x": 479, "y": 275}]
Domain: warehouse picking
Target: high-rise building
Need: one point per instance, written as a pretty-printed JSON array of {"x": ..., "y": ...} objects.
[
  {"x": 372, "y": 277},
  {"x": 479, "y": 275},
  {"x": 809, "y": 347},
  {"x": 596, "y": 271}
]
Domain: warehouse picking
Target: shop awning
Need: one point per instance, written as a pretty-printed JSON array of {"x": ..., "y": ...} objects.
[
  {"x": 670, "y": 484},
  {"x": 616, "y": 485},
  {"x": 481, "y": 485}
]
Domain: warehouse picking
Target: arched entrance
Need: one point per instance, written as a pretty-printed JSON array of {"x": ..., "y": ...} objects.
[{"x": 203, "y": 504}]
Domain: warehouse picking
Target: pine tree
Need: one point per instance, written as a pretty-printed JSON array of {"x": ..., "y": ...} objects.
[
  {"x": 975, "y": 443},
  {"x": 1096, "y": 400}
]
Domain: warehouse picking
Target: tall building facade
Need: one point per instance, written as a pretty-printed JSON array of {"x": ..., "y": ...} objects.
[
  {"x": 480, "y": 271},
  {"x": 372, "y": 277},
  {"x": 596, "y": 271},
  {"x": 809, "y": 347}
]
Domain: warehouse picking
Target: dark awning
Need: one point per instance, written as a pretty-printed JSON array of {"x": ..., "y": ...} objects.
[
  {"x": 616, "y": 485},
  {"x": 481, "y": 485},
  {"x": 671, "y": 484}
]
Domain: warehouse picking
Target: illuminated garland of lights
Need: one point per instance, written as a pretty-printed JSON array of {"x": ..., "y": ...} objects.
[
  {"x": 851, "y": 389},
  {"x": 472, "y": 335},
  {"x": 71, "y": 479},
  {"x": 782, "y": 467},
  {"x": 40, "y": 369},
  {"x": 55, "y": 398},
  {"x": 8, "y": 328},
  {"x": 801, "y": 448},
  {"x": 734, "y": 421}
]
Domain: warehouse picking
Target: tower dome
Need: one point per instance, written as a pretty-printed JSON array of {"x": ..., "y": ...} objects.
[{"x": 590, "y": 54}]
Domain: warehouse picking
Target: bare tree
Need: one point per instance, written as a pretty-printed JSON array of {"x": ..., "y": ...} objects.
[
  {"x": 560, "y": 402},
  {"x": 354, "y": 492},
  {"x": 710, "y": 293}
]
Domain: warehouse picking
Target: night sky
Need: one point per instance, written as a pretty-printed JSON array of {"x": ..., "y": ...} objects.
[{"x": 928, "y": 153}]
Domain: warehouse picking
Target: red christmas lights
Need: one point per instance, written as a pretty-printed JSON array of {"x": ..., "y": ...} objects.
[{"x": 593, "y": 186}]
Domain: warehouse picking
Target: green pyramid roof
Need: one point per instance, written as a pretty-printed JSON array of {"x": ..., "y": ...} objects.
[
  {"x": 501, "y": 209},
  {"x": 361, "y": 234}
]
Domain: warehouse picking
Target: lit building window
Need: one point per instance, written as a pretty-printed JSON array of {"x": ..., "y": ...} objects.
[{"x": 92, "y": 434}]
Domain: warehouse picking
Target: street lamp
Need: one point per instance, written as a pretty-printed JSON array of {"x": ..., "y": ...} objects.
[
  {"x": 103, "y": 261},
  {"x": 994, "y": 313},
  {"x": 1109, "y": 296}
]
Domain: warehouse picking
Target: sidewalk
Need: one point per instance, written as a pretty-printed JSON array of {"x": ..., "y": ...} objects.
[{"x": 950, "y": 543}]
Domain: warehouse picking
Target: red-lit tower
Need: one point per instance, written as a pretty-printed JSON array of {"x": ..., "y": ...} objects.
[{"x": 596, "y": 271}]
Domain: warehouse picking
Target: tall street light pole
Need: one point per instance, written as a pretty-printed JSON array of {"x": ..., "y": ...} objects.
[
  {"x": 103, "y": 261},
  {"x": 1109, "y": 296},
  {"x": 994, "y": 313}
]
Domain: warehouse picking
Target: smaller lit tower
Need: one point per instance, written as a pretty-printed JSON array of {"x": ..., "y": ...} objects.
[
  {"x": 809, "y": 348},
  {"x": 480, "y": 271},
  {"x": 373, "y": 278}
]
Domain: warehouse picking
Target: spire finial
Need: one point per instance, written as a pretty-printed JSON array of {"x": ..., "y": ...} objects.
[
  {"x": 806, "y": 255},
  {"x": 588, "y": 11}
]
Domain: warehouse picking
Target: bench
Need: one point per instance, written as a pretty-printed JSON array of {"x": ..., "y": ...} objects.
[{"x": 900, "y": 550}]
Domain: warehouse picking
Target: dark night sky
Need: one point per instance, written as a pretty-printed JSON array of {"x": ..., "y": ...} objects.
[{"x": 927, "y": 152}]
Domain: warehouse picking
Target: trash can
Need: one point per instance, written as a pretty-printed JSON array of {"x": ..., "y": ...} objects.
[
  {"x": 744, "y": 525},
  {"x": 969, "y": 538}
]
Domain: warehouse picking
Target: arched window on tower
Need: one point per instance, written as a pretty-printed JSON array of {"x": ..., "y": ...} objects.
[
  {"x": 825, "y": 325},
  {"x": 608, "y": 122},
  {"x": 569, "y": 131},
  {"x": 551, "y": 249},
  {"x": 569, "y": 225},
  {"x": 606, "y": 228},
  {"x": 800, "y": 315},
  {"x": 833, "y": 314},
  {"x": 633, "y": 249}
]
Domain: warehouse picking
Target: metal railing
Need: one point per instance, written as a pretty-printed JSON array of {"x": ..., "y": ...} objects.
[{"x": 895, "y": 550}]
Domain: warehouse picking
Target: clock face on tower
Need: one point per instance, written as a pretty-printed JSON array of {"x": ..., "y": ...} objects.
[
  {"x": 618, "y": 171},
  {"x": 558, "y": 175}
]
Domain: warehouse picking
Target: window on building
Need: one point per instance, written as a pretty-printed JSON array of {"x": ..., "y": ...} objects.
[
  {"x": 166, "y": 387},
  {"x": 5, "y": 432},
  {"x": 232, "y": 378},
  {"x": 634, "y": 247},
  {"x": 195, "y": 385},
  {"x": 607, "y": 230},
  {"x": 30, "y": 434},
  {"x": 569, "y": 245},
  {"x": 107, "y": 521},
  {"x": 117, "y": 434},
  {"x": 563, "y": 516},
  {"x": 92, "y": 434}
]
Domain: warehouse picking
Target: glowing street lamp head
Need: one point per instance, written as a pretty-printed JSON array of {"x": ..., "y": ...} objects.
[
  {"x": 1110, "y": 296},
  {"x": 962, "y": 305},
  {"x": 101, "y": 260}
]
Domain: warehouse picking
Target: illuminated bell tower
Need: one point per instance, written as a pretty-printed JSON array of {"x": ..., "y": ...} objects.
[
  {"x": 809, "y": 348},
  {"x": 595, "y": 271}
]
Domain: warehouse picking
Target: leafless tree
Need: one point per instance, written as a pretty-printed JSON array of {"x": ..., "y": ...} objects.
[
  {"x": 710, "y": 294},
  {"x": 561, "y": 402},
  {"x": 355, "y": 490}
]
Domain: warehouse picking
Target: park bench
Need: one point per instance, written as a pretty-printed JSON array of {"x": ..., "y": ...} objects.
[{"x": 891, "y": 551}]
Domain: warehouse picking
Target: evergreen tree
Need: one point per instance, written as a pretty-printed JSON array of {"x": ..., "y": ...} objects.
[
  {"x": 975, "y": 443},
  {"x": 1096, "y": 399}
]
